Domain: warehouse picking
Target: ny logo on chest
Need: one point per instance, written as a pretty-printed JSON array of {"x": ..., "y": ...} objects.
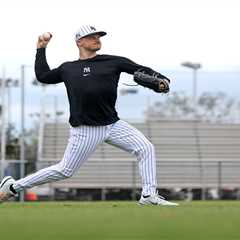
[{"x": 86, "y": 71}]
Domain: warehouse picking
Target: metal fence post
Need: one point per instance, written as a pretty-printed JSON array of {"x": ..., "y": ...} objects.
[
  {"x": 134, "y": 181},
  {"x": 22, "y": 139},
  {"x": 219, "y": 179}
]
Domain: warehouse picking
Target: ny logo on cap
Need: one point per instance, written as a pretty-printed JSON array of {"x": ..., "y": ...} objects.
[{"x": 87, "y": 30}]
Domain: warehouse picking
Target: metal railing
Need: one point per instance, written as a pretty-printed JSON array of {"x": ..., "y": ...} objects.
[
  {"x": 123, "y": 174},
  {"x": 170, "y": 174}
]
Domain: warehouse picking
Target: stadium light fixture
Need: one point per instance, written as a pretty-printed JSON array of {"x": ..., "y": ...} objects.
[{"x": 194, "y": 67}]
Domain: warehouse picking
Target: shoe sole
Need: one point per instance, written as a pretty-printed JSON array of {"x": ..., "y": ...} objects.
[
  {"x": 147, "y": 204},
  {"x": 151, "y": 204}
]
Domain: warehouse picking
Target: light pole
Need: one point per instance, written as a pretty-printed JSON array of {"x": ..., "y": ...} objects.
[
  {"x": 194, "y": 67},
  {"x": 10, "y": 83},
  {"x": 22, "y": 139},
  {"x": 126, "y": 91},
  {"x": 3, "y": 124}
]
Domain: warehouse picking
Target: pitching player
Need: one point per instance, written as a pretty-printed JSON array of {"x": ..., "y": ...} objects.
[{"x": 91, "y": 83}]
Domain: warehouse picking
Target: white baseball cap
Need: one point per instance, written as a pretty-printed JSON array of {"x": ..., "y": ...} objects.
[{"x": 87, "y": 30}]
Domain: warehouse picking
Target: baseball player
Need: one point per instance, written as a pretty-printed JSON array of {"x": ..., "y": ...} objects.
[{"x": 91, "y": 83}]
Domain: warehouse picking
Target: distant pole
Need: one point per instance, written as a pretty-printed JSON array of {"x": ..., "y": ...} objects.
[
  {"x": 9, "y": 105},
  {"x": 22, "y": 140},
  {"x": 194, "y": 67},
  {"x": 9, "y": 83},
  {"x": 195, "y": 97},
  {"x": 41, "y": 124},
  {"x": 3, "y": 125}
]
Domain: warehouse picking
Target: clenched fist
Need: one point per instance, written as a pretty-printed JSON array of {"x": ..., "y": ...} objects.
[{"x": 43, "y": 40}]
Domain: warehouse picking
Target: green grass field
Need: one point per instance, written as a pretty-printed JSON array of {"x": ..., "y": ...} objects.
[{"x": 119, "y": 220}]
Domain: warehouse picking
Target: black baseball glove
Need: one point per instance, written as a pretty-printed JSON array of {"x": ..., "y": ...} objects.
[{"x": 157, "y": 82}]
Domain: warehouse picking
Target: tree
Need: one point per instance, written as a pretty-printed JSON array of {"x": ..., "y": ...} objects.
[
  {"x": 210, "y": 107},
  {"x": 12, "y": 143},
  {"x": 215, "y": 106}
]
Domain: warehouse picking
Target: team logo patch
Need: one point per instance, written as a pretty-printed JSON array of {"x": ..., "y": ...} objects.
[{"x": 86, "y": 71}]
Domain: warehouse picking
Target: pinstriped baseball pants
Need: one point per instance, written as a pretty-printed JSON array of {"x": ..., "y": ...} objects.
[{"x": 82, "y": 143}]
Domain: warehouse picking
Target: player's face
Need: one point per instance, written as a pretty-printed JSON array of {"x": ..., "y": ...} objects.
[{"x": 91, "y": 43}]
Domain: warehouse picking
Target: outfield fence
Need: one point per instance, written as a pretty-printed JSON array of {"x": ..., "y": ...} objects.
[
  {"x": 170, "y": 174},
  {"x": 190, "y": 154},
  {"x": 124, "y": 174}
]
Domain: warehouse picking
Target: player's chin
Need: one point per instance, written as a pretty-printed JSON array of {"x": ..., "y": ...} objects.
[{"x": 96, "y": 48}]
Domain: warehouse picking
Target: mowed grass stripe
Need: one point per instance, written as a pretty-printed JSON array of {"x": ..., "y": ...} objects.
[{"x": 211, "y": 220}]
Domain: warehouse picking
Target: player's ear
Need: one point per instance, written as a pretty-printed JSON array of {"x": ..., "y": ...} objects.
[{"x": 79, "y": 42}]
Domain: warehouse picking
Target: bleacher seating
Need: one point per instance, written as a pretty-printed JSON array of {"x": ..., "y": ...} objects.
[{"x": 189, "y": 154}]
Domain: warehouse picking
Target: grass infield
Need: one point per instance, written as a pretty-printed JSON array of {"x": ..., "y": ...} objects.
[{"x": 209, "y": 220}]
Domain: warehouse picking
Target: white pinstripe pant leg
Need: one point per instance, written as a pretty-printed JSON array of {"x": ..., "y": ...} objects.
[
  {"x": 128, "y": 138},
  {"x": 82, "y": 143}
]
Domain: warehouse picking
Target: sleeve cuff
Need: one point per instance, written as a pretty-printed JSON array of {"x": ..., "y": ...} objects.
[{"x": 41, "y": 49}]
